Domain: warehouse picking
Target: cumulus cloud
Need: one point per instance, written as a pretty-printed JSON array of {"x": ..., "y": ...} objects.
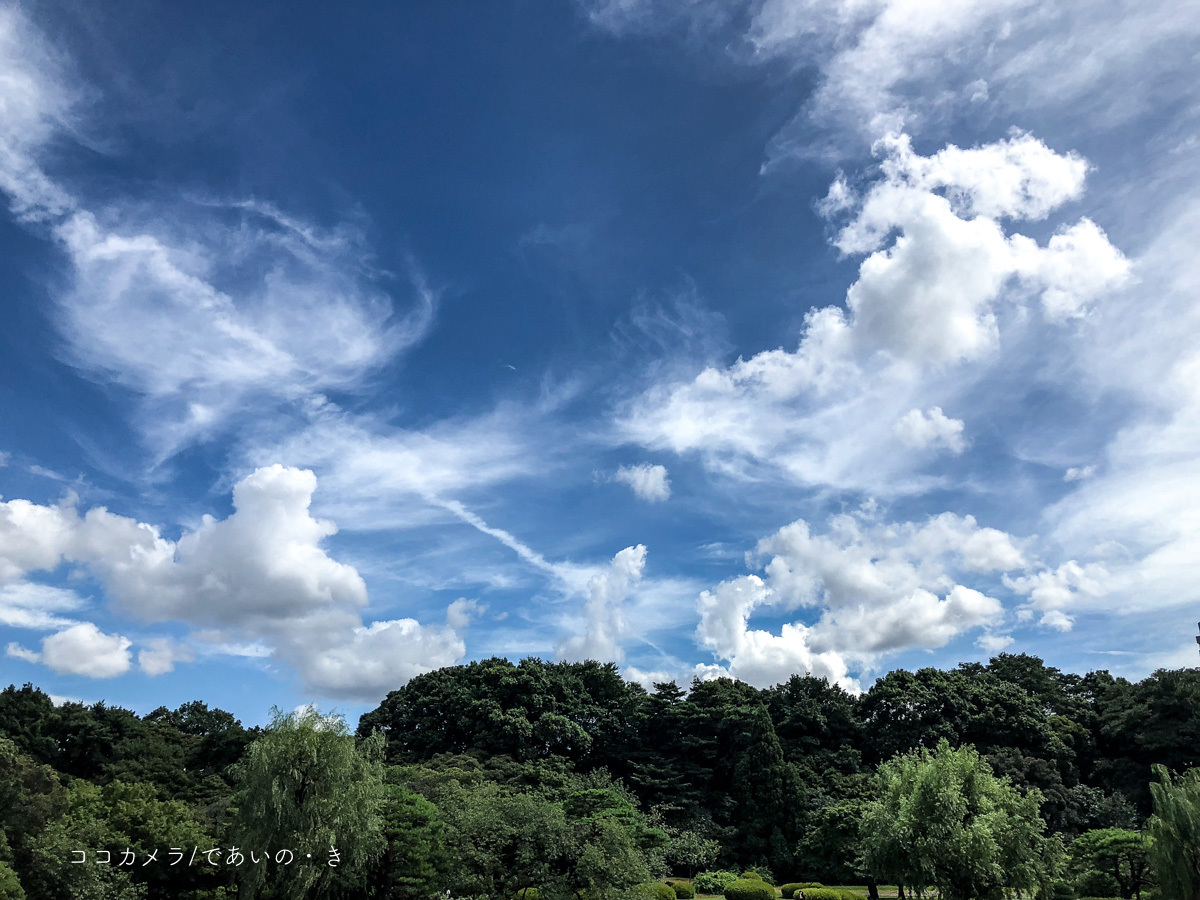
[
  {"x": 1052, "y": 592},
  {"x": 877, "y": 587},
  {"x": 32, "y": 537},
  {"x": 461, "y": 612},
  {"x": 605, "y": 625},
  {"x": 930, "y": 429},
  {"x": 158, "y": 656},
  {"x": 1079, "y": 473},
  {"x": 940, "y": 275},
  {"x": 376, "y": 658},
  {"x": 648, "y": 482},
  {"x": 259, "y": 574},
  {"x": 84, "y": 649}
]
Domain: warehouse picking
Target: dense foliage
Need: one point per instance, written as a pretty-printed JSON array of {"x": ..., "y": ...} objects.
[
  {"x": 1175, "y": 830},
  {"x": 554, "y": 781},
  {"x": 749, "y": 889}
]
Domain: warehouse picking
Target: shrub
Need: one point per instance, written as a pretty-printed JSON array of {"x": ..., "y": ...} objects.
[
  {"x": 749, "y": 889},
  {"x": 529, "y": 893},
  {"x": 653, "y": 890},
  {"x": 713, "y": 882},
  {"x": 761, "y": 872},
  {"x": 683, "y": 890},
  {"x": 1093, "y": 883},
  {"x": 828, "y": 893},
  {"x": 789, "y": 889},
  {"x": 10, "y": 887}
]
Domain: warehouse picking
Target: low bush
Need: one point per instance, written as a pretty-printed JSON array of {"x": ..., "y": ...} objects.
[
  {"x": 749, "y": 889},
  {"x": 828, "y": 893},
  {"x": 683, "y": 890},
  {"x": 761, "y": 872},
  {"x": 529, "y": 893},
  {"x": 1093, "y": 883},
  {"x": 789, "y": 890},
  {"x": 713, "y": 882},
  {"x": 653, "y": 890}
]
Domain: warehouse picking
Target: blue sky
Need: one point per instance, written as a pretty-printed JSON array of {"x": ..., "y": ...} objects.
[{"x": 750, "y": 338}]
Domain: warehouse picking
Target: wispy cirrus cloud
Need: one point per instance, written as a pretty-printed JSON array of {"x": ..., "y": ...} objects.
[{"x": 204, "y": 310}]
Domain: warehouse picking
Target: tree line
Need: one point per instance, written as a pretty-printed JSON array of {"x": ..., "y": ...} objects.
[{"x": 536, "y": 780}]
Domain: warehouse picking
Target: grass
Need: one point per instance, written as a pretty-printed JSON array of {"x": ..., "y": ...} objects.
[{"x": 885, "y": 890}]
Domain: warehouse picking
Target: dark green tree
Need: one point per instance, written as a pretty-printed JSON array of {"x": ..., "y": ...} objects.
[
  {"x": 1123, "y": 855},
  {"x": 414, "y": 859},
  {"x": 766, "y": 792}
]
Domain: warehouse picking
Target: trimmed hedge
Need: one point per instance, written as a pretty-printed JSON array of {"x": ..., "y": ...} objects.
[
  {"x": 683, "y": 890},
  {"x": 713, "y": 882},
  {"x": 828, "y": 893},
  {"x": 760, "y": 872},
  {"x": 749, "y": 889},
  {"x": 789, "y": 889},
  {"x": 653, "y": 890}
]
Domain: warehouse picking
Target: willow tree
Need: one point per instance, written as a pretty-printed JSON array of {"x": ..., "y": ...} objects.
[
  {"x": 943, "y": 819},
  {"x": 1175, "y": 828},
  {"x": 309, "y": 806}
]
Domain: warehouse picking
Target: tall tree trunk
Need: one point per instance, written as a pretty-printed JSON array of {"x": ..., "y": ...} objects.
[{"x": 872, "y": 889}]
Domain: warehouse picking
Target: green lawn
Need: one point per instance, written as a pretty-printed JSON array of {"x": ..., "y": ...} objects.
[{"x": 885, "y": 890}]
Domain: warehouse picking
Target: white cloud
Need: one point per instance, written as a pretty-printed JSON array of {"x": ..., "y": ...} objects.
[
  {"x": 940, "y": 278},
  {"x": 648, "y": 482},
  {"x": 1079, "y": 473},
  {"x": 259, "y": 574},
  {"x": 38, "y": 606},
  {"x": 146, "y": 313},
  {"x": 204, "y": 309},
  {"x": 888, "y": 64},
  {"x": 879, "y": 588},
  {"x": 994, "y": 643},
  {"x": 374, "y": 659},
  {"x": 461, "y": 612},
  {"x": 36, "y": 106},
  {"x": 605, "y": 625},
  {"x": 1051, "y": 592},
  {"x": 86, "y": 650},
  {"x": 367, "y": 464},
  {"x": 16, "y": 651},
  {"x": 262, "y": 563},
  {"x": 159, "y": 656},
  {"x": 32, "y": 537},
  {"x": 934, "y": 428}
]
